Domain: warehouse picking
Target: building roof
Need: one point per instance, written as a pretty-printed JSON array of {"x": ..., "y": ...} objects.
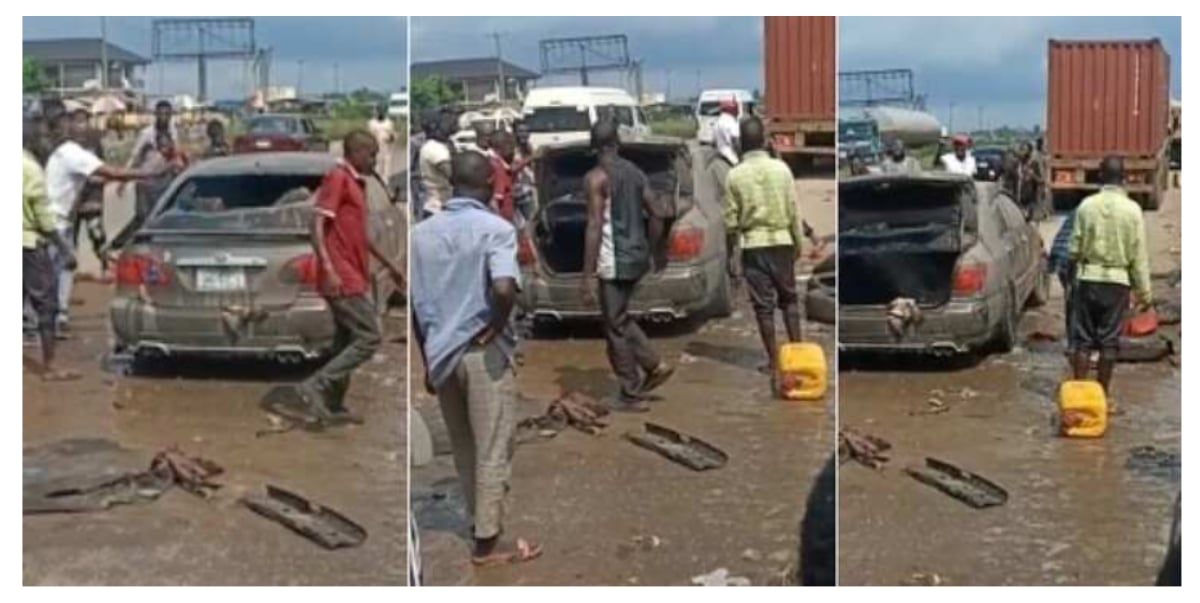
[
  {"x": 469, "y": 69},
  {"x": 62, "y": 50}
]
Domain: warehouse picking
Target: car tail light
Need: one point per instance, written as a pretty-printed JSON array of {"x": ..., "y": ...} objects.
[
  {"x": 526, "y": 256},
  {"x": 300, "y": 270},
  {"x": 133, "y": 270},
  {"x": 686, "y": 243},
  {"x": 969, "y": 279}
]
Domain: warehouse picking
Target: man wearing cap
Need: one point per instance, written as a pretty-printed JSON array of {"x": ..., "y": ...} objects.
[
  {"x": 898, "y": 161},
  {"x": 961, "y": 161}
]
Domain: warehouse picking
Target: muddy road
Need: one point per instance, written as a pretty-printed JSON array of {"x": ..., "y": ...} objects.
[
  {"x": 1076, "y": 513},
  {"x": 599, "y": 504},
  {"x": 210, "y": 409}
]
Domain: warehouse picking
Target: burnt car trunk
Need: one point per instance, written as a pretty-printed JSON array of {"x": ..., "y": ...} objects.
[
  {"x": 900, "y": 238},
  {"x": 561, "y": 226}
]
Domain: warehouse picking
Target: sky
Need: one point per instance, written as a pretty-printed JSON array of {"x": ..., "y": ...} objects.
[
  {"x": 998, "y": 63},
  {"x": 368, "y": 51},
  {"x": 680, "y": 54}
]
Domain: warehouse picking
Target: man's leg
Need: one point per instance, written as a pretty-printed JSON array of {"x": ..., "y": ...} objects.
[
  {"x": 783, "y": 273},
  {"x": 1114, "y": 303},
  {"x": 66, "y": 280},
  {"x": 491, "y": 407},
  {"x": 452, "y": 398},
  {"x": 756, "y": 273},
  {"x": 614, "y": 306},
  {"x": 40, "y": 280},
  {"x": 357, "y": 315}
]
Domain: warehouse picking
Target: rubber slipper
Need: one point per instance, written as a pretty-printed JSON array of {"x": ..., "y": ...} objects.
[{"x": 524, "y": 552}]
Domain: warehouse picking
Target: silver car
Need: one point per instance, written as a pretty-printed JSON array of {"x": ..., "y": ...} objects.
[
  {"x": 694, "y": 281},
  {"x": 933, "y": 263},
  {"x": 224, "y": 264}
]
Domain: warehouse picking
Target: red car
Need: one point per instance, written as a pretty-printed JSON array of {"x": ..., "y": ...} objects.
[{"x": 272, "y": 133}]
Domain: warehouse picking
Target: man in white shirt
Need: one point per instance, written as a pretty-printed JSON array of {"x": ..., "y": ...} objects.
[
  {"x": 434, "y": 163},
  {"x": 725, "y": 135},
  {"x": 384, "y": 131},
  {"x": 68, "y": 169},
  {"x": 961, "y": 161}
]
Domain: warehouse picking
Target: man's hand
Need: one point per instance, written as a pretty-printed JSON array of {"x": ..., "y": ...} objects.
[
  {"x": 69, "y": 260},
  {"x": 429, "y": 385},
  {"x": 587, "y": 290},
  {"x": 486, "y": 336},
  {"x": 398, "y": 278},
  {"x": 1145, "y": 303},
  {"x": 333, "y": 282}
]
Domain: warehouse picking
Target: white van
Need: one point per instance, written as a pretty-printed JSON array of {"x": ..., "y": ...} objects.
[
  {"x": 708, "y": 108},
  {"x": 398, "y": 105},
  {"x": 566, "y": 114}
]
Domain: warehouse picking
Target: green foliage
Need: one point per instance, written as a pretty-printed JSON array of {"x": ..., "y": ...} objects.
[
  {"x": 431, "y": 92},
  {"x": 33, "y": 79},
  {"x": 681, "y": 127}
]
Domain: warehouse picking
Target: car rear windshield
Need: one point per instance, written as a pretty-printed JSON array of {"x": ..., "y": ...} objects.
[
  {"x": 558, "y": 119},
  {"x": 271, "y": 125},
  {"x": 221, "y": 202}
]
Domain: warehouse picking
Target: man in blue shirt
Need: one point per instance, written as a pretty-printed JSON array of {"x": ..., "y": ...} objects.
[{"x": 464, "y": 283}]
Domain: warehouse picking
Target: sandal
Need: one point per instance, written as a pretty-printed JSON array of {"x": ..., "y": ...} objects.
[{"x": 521, "y": 552}]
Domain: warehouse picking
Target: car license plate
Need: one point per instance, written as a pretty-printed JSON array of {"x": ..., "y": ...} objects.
[{"x": 220, "y": 279}]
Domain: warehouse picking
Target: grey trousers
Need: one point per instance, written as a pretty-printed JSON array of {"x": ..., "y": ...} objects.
[
  {"x": 479, "y": 405},
  {"x": 356, "y": 340},
  {"x": 628, "y": 347}
]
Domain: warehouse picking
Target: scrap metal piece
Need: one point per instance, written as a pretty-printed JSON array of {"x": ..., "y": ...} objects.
[
  {"x": 972, "y": 489},
  {"x": 870, "y": 451},
  {"x": 313, "y": 521},
  {"x": 689, "y": 451},
  {"x": 572, "y": 409}
]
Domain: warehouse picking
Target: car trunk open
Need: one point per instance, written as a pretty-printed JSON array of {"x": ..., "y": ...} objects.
[
  {"x": 226, "y": 241},
  {"x": 900, "y": 238},
  {"x": 561, "y": 224}
]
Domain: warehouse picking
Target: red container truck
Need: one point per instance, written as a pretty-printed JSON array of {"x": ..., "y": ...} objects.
[
  {"x": 1108, "y": 97},
  {"x": 800, "y": 57}
]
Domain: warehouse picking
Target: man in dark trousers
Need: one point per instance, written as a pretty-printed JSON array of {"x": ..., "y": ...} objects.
[
  {"x": 763, "y": 224},
  {"x": 1108, "y": 249},
  {"x": 624, "y": 227},
  {"x": 342, "y": 245},
  {"x": 464, "y": 284}
]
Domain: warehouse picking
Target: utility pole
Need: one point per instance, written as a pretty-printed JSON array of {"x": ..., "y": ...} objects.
[
  {"x": 201, "y": 68},
  {"x": 980, "y": 128},
  {"x": 501, "y": 85},
  {"x": 299, "y": 77},
  {"x": 337, "y": 79},
  {"x": 103, "y": 53}
]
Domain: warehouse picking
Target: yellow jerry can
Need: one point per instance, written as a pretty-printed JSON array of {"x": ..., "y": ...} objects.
[
  {"x": 803, "y": 374},
  {"x": 1083, "y": 409}
]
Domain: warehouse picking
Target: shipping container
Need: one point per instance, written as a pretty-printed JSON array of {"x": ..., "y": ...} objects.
[
  {"x": 1108, "y": 97},
  {"x": 800, "y": 60}
]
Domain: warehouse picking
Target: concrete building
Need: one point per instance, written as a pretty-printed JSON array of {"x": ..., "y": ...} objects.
[
  {"x": 478, "y": 78},
  {"x": 70, "y": 63}
]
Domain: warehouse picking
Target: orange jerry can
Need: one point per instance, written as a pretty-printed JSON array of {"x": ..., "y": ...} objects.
[
  {"x": 803, "y": 374},
  {"x": 1083, "y": 409}
]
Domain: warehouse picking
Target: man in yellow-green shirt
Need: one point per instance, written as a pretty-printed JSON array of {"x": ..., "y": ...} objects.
[
  {"x": 762, "y": 221},
  {"x": 1108, "y": 248},
  {"x": 39, "y": 275}
]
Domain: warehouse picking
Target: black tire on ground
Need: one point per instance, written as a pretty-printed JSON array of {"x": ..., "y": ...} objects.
[
  {"x": 820, "y": 305},
  {"x": 1006, "y": 331},
  {"x": 721, "y": 304},
  {"x": 1151, "y": 348},
  {"x": 1040, "y": 295}
]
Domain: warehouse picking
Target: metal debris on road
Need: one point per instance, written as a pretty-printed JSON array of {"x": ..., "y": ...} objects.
[
  {"x": 1154, "y": 461},
  {"x": 933, "y": 406},
  {"x": 192, "y": 473},
  {"x": 686, "y": 450},
  {"x": 974, "y": 490},
  {"x": 720, "y": 577},
  {"x": 573, "y": 409},
  {"x": 868, "y": 450},
  {"x": 318, "y": 523}
]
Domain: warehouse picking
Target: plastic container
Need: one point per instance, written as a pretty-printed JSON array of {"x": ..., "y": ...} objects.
[
  {"x": 803, "y": 374},
  {"x": 1141, "y": 325},
  {"x": 1083, "y": 409}
]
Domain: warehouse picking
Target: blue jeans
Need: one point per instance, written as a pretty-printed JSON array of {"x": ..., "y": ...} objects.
[{"x": 66, "y": 278}]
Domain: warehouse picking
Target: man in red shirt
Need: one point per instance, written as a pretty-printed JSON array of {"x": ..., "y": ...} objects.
[
  {"x": 343, "y": 246},
  {"x": 504, "y": 148}
]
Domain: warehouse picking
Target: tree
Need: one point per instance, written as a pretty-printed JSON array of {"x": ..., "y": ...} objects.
[
  {"x": 431, "y": 92},
  {"x": 34, "y": 80}
]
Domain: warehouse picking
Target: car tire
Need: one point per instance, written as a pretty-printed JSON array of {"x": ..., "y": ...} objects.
[
  {"x": 1006, "y": 335},
  {"x": 721, "y": 305},
  {"x": 1040, "y": 295}
]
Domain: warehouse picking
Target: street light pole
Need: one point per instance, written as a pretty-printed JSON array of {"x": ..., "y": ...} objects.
[
  {"x": 104, "y": 53},
  {"x": 500, "y": 83}
]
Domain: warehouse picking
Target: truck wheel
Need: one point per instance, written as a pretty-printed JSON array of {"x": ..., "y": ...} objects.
[{"x": 721, "y": 305}]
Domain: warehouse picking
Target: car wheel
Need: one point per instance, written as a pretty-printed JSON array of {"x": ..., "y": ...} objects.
[
  {"x": 721, "y": 305},
  {"x": 1006, "y": 336},
  {"x": 1040, "y": 295}
]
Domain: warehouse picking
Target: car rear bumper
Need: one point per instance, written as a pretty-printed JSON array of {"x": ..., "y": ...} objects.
[
  {"x": 301, "y": 331},
  {"x": 676, "y": 293},
  {"x": 955, "y": 328}
]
